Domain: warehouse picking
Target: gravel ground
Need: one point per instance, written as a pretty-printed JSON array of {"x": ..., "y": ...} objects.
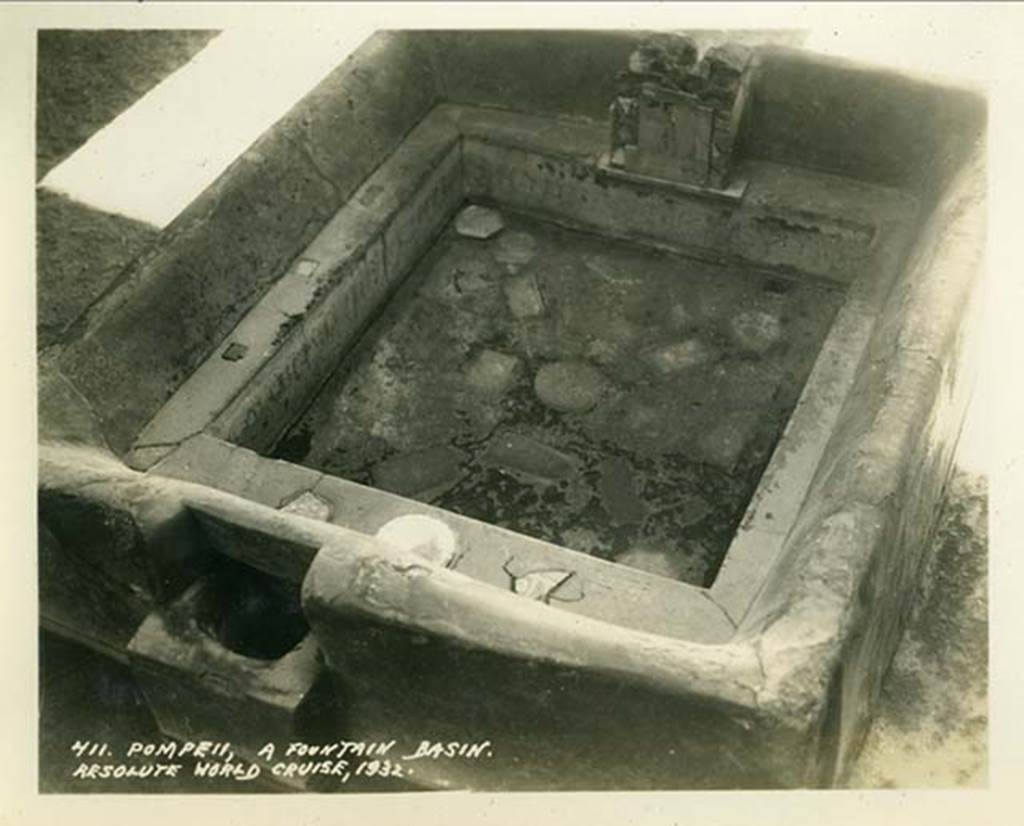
[
  {"x": 931, "y": 727},
  {"x": 84, "y": 80}
]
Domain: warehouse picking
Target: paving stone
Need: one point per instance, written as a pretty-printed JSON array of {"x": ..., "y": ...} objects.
[
  {"x": 756, "y": 331},
  {"x": 680, "y": 316},
  {"x": 618, "y": 491},
  {"x": 681, "y": 355},
  {"x": 492, "y": 373},
  {"x": 421, "y": 473},
  {"x": 569, "y": 386},
  {"x": 524, "y": 297},
  {"x": 479, "y": 222},
  {"x": 723, "y": 444},
  {"x": 690, "y": 509},
  {"x": 310, "y": 505},
  {"x": 522, "y": 454},
  {"x": 539, "y": 338},
  {"x": 429, "y": 537},
  {"x": 585, "y": 540},
  {"x": 515, "y": 248},
  {"x": 747, "y": 383},
  {"x": 471, "y": 278}
]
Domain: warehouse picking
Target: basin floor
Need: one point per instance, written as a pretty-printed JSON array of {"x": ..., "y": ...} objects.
[{"x": 614, "y": 399}]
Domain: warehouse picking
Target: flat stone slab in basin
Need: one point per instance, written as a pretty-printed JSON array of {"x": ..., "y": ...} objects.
[
  {"x": 527, "y": 456},
  {"x": 424, "y": 473},
  {"x": 478, "y": 222},
  {"x": 569, "y": 386}
]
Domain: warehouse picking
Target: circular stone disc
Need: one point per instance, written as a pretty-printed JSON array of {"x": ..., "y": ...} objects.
[
  {"x": 569, "y": 386},
  {"x": 430, "y": 538}
]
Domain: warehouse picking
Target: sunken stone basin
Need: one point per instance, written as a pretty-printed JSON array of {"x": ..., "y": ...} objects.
[{"x": 622, "y": 465}]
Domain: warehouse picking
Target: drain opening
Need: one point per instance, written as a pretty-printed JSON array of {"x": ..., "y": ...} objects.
[{"x": 251, "y": 613}]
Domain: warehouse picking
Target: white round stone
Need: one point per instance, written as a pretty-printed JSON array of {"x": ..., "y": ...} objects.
[{"x": 424, "y": 535}]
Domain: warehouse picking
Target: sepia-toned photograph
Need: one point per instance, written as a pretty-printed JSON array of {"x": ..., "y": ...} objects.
[{"x": 493, "y": 408}]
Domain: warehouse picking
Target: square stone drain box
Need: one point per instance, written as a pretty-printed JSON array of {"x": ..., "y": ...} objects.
[
  {"x": 233, "y": 655},
  {"x": 624, "y": 467}
]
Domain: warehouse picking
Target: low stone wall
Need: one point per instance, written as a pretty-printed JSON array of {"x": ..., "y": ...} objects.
[
  {"x": 843, "y": 582},
  {"x": 228, "y": 247}
]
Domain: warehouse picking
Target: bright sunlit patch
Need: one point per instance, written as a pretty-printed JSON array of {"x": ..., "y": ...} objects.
[{"x": 153, "y": 160}]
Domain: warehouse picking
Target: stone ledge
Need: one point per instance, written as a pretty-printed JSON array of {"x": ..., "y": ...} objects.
[{"x": 613, "y": 593}]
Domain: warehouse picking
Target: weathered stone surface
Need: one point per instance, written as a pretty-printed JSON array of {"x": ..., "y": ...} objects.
[
  {"x": 538, "y": 692},
  {"x": 660, "y": 563},
  {"x": 540, "y": 585},
  {"x": 724, "y": 444},
  {"x": 747, "y": 383},
  {"x": 670, "y": 55},
  {"x": 235, "y": 351},
  {"x": 674, "y": 120},
  {"x": 756, "y": 331},
  {"x": 231, "y": 661},
  {"x": 79, "y": 599},
  {"x": 930, "y": 726},
  {"x": 523, "y": 454},
  {"x": 672, "y": 358},
  {"x": 310, "y": 505},
  {"x": 426, "y": 473},
  {"x": 724, "y": 67},
  {"x": 492, "y": 373},
  {"x": 515, "y": 248},
  {"x": 104, "y": 535},
  {"x": 478, "y": 222},
  {"x": 523, "y": 296},
  {"x": 64, "y": 413},
  {"x": 569, "y": 386},
  {"x": 680, "y": 316},
  {"x": 618, "y": 491}
]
